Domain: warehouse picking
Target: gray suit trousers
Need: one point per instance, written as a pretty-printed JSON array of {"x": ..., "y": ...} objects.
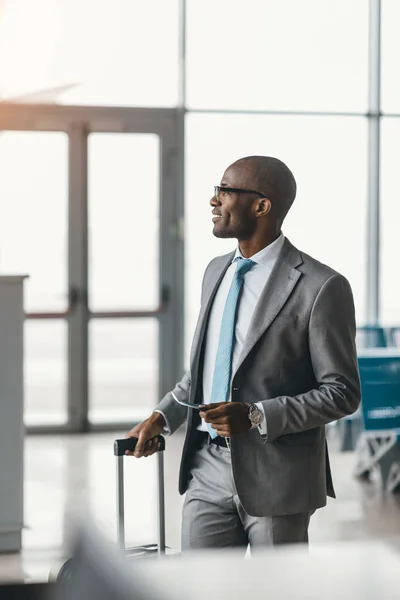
[{"x": 213, "y": 516}]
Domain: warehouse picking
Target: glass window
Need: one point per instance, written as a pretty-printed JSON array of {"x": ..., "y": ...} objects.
[
  {"x": 122, "y": 53},
  {"x": 269, "y": 55},
  {"x": 390, "y": 54},
  {"x": 123, "y": 369},
  {"x": 390, "y": 220},
  {"x": 45, "y": 368},
  {"x": 328, "y": 158},
  {"x": 33, "y": 209},
  {"x": 123, "y": 221}
]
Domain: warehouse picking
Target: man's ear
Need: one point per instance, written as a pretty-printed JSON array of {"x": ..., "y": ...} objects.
[{"x": 264, "y": 206}]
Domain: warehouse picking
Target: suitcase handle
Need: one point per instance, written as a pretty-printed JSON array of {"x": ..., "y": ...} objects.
[{"x": 120, "y": 446}]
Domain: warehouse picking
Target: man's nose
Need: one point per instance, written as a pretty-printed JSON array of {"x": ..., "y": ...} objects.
[{"x": 214, "y": 201}]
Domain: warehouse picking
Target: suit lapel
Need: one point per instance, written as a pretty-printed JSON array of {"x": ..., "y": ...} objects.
[
  {"x": 211, "y": 284},
  {"x": 274, "y": 296}
]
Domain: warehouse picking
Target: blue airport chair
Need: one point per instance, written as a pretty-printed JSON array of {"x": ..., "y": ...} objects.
[
  {"x": 370, "y": 336},
  {"x": 349, "y": 428},
  {"x": 379, "y": 443},
  {"x": 393, "y": 337}
]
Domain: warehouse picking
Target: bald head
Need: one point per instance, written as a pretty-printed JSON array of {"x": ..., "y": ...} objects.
[
  {"x": 271, "y": 177},
  {"x": 252, "y": 201}
]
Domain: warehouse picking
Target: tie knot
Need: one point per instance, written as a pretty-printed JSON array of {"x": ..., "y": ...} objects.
[{"x": 243, "y": 265}]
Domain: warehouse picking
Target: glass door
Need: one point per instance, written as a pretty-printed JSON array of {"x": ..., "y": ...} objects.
[
  {"x": 124, "y": 262},
  {"x": 91, "y": 210},
  {"x": 135, "y": 265}
]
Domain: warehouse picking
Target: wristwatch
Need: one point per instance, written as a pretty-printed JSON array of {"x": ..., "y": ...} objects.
[{"x": 255, "y": 415}]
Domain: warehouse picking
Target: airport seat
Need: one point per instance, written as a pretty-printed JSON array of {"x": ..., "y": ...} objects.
[
  {"x": 393, "y": 337},
  {"x": 378, "y": 447},
  {"x": 348, "y": 429},
  {"x": 370, "y": 336},
  {"x": 393, "y": 483}
]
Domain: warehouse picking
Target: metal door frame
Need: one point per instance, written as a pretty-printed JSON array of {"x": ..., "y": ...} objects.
[{"x": 78, "y": 122}]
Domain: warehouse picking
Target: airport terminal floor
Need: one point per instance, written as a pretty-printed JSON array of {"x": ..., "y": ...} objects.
[{"x": 77, "y": 473}]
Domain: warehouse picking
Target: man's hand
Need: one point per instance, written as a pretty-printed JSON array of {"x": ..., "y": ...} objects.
[
  {"x": 227, "y": 418},
  {"x": 146, "y": 432}
]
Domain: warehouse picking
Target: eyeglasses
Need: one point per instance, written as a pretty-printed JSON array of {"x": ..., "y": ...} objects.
[{"x": 229, "y": 190}]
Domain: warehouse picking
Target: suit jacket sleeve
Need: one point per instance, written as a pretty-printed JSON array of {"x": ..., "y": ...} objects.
[
  {"x": 175, "y": 414},
  {"x": 332, "y": 332}
]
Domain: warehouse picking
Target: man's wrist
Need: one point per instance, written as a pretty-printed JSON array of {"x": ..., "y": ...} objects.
[
  {"x": 254, "y": 415},
  {"x": 158, "y": 417}
]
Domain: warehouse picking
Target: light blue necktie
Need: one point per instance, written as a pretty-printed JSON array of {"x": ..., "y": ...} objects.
[{"x": 223, "y": 362}]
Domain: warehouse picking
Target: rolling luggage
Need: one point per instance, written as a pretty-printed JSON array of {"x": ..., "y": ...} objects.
[
  {"x": 63, "y": 570},
  {"x": 120, "y": 446}
]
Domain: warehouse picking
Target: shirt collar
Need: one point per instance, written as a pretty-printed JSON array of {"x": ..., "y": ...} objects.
[{"x": 267, "y": 255}]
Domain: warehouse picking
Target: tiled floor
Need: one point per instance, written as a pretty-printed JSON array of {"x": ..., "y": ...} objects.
[{"x": 72, "y": 476}]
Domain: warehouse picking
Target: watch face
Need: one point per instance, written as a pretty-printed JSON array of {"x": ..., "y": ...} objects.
[{"x": 255, "y": 416}]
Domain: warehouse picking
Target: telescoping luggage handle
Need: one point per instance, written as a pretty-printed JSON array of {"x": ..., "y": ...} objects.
[{"x": 120, "y": 447}]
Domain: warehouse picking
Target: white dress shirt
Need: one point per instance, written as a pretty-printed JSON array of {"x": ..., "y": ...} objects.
[{"x": 254, "y": 282}]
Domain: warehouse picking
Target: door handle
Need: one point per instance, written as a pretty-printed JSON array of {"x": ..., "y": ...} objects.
[
  {"x": 165, "y": 297},
  {"x": 75, "y": 296}
]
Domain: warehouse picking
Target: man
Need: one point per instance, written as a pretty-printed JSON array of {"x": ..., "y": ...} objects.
[{"x": 273, "y": 361}]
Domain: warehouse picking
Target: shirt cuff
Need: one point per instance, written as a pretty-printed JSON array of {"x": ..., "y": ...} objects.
[
  {"x": 262, "y": 427},
  {"x": 167, "y": 428}
]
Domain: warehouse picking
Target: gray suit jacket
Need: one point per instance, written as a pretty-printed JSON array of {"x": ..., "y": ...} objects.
[{"x": 299, "y": 359}]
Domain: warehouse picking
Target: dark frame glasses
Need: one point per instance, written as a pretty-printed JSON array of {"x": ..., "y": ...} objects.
[{"x": 221, "y": 188}]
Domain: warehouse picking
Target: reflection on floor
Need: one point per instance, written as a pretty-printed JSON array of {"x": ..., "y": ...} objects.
[{"x": 71, "y": 476}]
